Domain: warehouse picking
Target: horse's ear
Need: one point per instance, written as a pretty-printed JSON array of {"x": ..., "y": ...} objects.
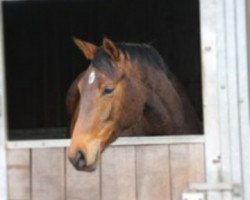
[
  {"x": 110, "y": 48},
  {"x": 87, "y": 48}
]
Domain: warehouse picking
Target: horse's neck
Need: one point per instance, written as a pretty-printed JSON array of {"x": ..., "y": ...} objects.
[
  {"x": 171, "y": 99},
  {"x": 163, "y": 108},
  {"x": 167, "y": 108}
]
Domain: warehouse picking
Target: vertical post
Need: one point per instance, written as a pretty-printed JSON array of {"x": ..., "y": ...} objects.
[
  {"x": 209, "y": 49},
  {"x": 243, "y": 47},
  {"x": 226, "y": 95},
  {"x": 232, "y": 170},
  {"x": 3, "y": 164}
]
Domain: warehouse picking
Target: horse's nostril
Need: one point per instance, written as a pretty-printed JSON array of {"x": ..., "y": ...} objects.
[{"x": 79, "y": 160}]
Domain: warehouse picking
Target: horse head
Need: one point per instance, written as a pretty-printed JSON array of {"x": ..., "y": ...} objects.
[{"x": 103, "y": 101}]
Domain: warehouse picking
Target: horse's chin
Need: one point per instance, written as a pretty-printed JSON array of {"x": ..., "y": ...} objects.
[
  {"x": 89, "y": 168},
  {"x": 111, "y": 139}
]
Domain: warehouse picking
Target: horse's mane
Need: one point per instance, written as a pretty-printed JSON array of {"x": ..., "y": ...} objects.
[{"x": 141, "y": 53}]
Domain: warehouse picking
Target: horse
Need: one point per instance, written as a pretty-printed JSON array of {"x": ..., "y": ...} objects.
[{"x": 127, "y": 90}]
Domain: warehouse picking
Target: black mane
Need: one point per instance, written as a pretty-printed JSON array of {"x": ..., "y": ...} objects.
[{"x": 142, "y": 53}]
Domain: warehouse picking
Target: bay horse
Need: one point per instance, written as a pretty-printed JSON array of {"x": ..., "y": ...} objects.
[{"x": 127, "y": 90}]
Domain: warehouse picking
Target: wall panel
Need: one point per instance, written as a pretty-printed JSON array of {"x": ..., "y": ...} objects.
[
  {"x": 18, "y": 164},
  {"x": 118, "y": 173},
  {"x": 48, "y": 174},
  {"x": 134, "y": 172}
]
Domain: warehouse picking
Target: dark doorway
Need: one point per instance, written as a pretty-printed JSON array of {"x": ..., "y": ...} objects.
[{"x": 41, "y": 60}]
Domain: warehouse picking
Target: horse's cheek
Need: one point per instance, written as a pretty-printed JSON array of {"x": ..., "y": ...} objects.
[{"x": 106, "y": 113}]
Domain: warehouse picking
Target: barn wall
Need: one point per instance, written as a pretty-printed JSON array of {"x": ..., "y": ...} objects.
[{"x": 141, "y": 172}]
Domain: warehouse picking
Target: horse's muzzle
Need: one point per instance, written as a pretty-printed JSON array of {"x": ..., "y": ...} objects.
[{"x": 79, "y": 161}]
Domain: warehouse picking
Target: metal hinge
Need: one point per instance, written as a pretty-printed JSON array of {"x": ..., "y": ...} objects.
[
  {"x": 197, "y": 190},
  {"x": 202, "y": 187}
]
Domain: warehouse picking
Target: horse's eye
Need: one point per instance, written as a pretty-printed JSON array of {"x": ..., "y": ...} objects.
[{"x": 107, "y": 90}]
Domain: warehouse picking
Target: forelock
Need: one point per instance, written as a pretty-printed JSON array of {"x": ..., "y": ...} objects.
[{"x": 103, "y": 62}]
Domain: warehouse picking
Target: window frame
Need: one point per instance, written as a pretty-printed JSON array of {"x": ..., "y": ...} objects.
[{"x": 122, "y": 141}]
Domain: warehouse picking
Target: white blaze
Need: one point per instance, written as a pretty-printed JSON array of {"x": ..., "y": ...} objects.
[{"x": 91, "y": 77}]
